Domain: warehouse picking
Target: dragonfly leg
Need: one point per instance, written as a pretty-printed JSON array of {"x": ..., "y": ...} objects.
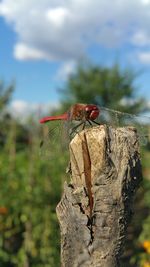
[
  {"x": 89, "y": 122},
  {"x": 84, "y": 123},
  {"x": 96, "y": 122},
  {"x": 75, "y": 128}
]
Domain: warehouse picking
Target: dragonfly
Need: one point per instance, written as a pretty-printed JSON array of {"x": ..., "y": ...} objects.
[{"x": 81, "y": 116}]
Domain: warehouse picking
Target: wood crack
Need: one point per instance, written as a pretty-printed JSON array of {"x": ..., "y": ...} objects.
[{"x": 95, "y": 209}]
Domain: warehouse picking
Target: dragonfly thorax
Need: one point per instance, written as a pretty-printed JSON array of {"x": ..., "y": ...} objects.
[{"x": 83, "y": 112}]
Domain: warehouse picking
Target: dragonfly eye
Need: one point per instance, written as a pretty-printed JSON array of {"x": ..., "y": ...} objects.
[
  {"x": 92, "y": 112},
  {"x": 88, "y": 111}
]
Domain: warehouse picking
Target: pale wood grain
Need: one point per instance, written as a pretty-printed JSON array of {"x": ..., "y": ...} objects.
[{"x": 92, "y": 235}]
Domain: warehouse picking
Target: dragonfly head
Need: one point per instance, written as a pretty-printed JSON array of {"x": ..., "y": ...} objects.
[{"x": 92, "y": 112}]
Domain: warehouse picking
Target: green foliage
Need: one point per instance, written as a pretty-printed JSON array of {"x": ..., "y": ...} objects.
[
  {"x": 103, "y": 86},
  {"x": 31, "y": 189},
  {"x": 5, "y": 94},
  {"x": 31, "y": 184},
  {"x": 139, "y": 231}
]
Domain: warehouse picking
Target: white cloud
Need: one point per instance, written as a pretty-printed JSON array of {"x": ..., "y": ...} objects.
[
  {"x": 65, "y": 70},
  {"x": 146, "y": 2},
  {"x": 21, "y": 109},
  {"x": 144, "y": 57},
  {"x": 58, "y": 15},
  {"x": 65, "y": 29},
  {"x": 19, "y": 106},
  {"x": 141, "y": 38},
  {"x": 23, "y": 52}
]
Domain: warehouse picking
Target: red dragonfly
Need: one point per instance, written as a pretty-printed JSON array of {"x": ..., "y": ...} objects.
[
  {"x": 88, "y": 114},
  {"x": 75, "y": 119},
  {"x": 78, "y": 112}
]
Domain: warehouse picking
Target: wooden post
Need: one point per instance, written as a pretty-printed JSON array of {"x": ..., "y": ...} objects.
[{"x": 96, "y": 206}]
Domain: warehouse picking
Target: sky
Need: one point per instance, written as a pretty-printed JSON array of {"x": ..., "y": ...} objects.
[{"x": 42, "y": 41}]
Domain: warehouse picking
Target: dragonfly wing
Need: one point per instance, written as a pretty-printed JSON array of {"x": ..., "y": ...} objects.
[
  {"x": 54, "y": 139},
  {"x": 120, "y": 119}
]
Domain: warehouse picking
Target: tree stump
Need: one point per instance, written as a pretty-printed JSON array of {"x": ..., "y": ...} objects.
[{"x": 96, "y": 205}]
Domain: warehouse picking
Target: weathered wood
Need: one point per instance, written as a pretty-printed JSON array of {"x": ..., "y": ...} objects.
[{"x": 96, "y": 206}]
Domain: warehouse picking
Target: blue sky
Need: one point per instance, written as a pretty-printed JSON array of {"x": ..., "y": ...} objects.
[
  {"x": 35, "y": 80},
  {"x": 41, "y": 42}
]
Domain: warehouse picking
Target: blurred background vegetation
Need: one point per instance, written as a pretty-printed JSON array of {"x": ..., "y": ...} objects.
[{"x": 31, "y": 185}]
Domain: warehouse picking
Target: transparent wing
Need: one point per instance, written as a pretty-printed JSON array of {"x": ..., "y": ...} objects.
[
  {"x": 55, "y": 138},
  {"x": 120, "y": 119}
]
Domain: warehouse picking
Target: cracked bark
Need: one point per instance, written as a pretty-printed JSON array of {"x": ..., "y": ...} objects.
[{"x": 96, "y": 206}]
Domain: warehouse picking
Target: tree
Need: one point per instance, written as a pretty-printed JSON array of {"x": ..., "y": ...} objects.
[
  {"x": 7, "y": 122},
  {"x": 110, "y": 87},
  {"x": 5, "y": 94}
]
